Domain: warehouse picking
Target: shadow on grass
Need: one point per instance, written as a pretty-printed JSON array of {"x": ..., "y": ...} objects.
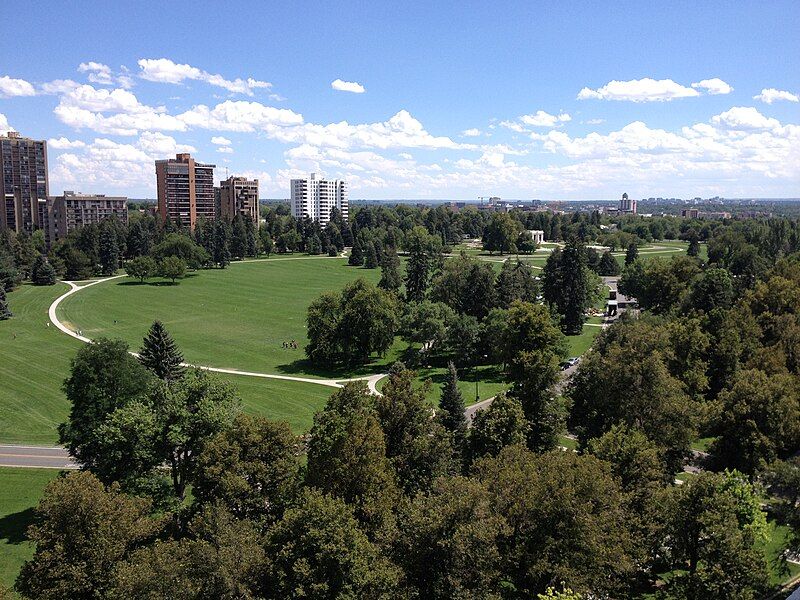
[
  {"x": 127, "y": 282},
  {"x": 14, "y": 527}
]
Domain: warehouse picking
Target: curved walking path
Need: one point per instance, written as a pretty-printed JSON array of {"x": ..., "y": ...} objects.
[{"x": 371, "y": 380}]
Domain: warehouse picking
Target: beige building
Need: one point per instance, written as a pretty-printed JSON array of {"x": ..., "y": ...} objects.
[
  {"x": 24, "y": 185},
  {"x": 74, "y": 209},
  {"x": 185, "y": 190},
  {"x": 239, "y": 196}
]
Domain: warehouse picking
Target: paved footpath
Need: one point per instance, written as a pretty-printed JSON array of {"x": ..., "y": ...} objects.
[{"x": 35, "y": 457}]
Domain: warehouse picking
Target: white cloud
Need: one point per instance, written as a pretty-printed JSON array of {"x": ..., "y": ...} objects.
[
  {"x": 474, "y": 132},
  {"x": 98, "y": 72},
  {"x": 4, "y": 125},
  {"x": 713, "y": 86},
  {"x": 543, "y": 119},
  {"x": 240, "y": 115},
  {"x": 744, "y": 117},
  {"x": 405, "y": 155},
  {"x": 58, "y": 86},
  {"x": 639, "y": 90},
  {"x": 15, "y": 87},
  {"x": 225, "y": 150},
  {"x": 63, "y": 143},
  {"x": 595, "y": 121},
  {"x": 347, "y": 86},
  {"x": 220, "y": 141},
  {"x": 158, "y": 144},
  {"x": 770, "y": 95},
  {"x": 513, "y": 126},
  {"x": 166, "y": 71}
]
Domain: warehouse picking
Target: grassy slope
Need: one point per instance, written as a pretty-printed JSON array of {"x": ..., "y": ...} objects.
[{"x": 20, "y": 490}]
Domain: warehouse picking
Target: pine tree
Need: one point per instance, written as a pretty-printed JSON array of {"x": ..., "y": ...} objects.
[
  {"x": 608, "y": 264},
  {"x": 160, "y": 354},
  {"x": 390, "y": 270},
  {"x": 417, "y": 275},
  {"x": 252, "y": 245},
  {"x": 371, "y": 258},
  {"x": 452, "y": 405},
  {"x": 575, "y": 286},
  {"x": 222, "y": 253},
  {"x": 356, "y": 255},
  {"x": 632, "y": 254},
  {"x": 238, "y": 237},
  {"x": 109, "y": 249},
  {"x": 42, "y": 272},
  {"x": 5, "y": 312},
  {"x": 694, "y": 243}
]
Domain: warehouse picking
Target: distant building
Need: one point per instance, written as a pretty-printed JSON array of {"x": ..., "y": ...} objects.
[
  {"x": 239, "y": 196},
  {"x": 73, "y": 209},
  {"x": 315, "y": 198},
  {"x": 537, "y": 235},
  {"x": 185, "y": 190},
  {"x": 627, "y": 205},
  {"x": 24, "y": 186}
]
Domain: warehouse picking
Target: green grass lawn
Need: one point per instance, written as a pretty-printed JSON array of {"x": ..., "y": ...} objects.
[
  {"x": 20, "y": 490},
  {"x": 235, "y": 318},
  {"x": 578, "y": 344},
  {"x": 489, "y": 377},
  {"x": 776, "y": 543}
]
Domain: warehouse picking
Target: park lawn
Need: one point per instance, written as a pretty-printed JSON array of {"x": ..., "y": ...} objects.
[
  {"x": 20, "y": 490},
  {"x": 33, "y": 367},
  {"x": 237, "y": 317},
  {"x": 491, "y": 382},
  {"x": 578, "y": 344},
  {"x": 774, "y": 548}
]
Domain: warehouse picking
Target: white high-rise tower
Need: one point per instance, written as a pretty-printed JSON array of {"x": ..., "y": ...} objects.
[{"x": 314, "y": 198}]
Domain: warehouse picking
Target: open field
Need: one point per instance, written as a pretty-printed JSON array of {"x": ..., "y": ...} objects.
[{"x": 20, "y": 490}]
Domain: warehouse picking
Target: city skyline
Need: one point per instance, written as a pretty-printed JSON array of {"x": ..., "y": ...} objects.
[{"x": 542, "y": 101}]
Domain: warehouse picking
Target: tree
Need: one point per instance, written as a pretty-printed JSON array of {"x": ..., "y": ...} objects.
[
  {"x": 238, "y": 237},
  {"x": 694, "y": 243},
  {"x": 418, "y": 446},
  {"x": 567, "y": 522},
  {"x": 221, "y": 254},
  {"x": 103, "y": 377},
  {"x": 608, "y": 265},
  {"x": 251, "y": 468},
  {"x": 267, "y": 245},
  {"x": 659, "y": 285},
  {"x": 631, "y": 254},
  {"x": 371, "y": 257},
  {"x": 322, "y": 321},
  {"x": 466, "y": 285},
  {"x": 42, "y": 272},
  {"x": 160, "y": 355},
  {"x": 712, "y": 289},
  {"x": 82, "y": 532},
  {"x": 141, "y": 267},
  {"x": 318, "y": 551},
  {"x": 718, "y": 533},
  {"x": 5, "y": 311},
  {"x": 501, "y": 424},
  {"x": 449, "y": 542},
  {"x": 576, "y": 291},
  {"x": 516, "y": 281},
  {"x": 759, "y": 421},
  {"x": 501, "y": 233},
  {"x": 390, "y": 270},
  {"x": 181, "y": 246},
  {"x": 356, "y": 258},
  {"x": 452, "y": 408},
  {"x": 172, "y": 268},
  {"x": 424, "y": 323},
  {"x": 417, "y": 275},
  {"x": 347, "y": 457},
  {"x": 109, "y": 249}
]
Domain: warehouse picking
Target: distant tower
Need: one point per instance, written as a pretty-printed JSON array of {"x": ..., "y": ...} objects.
[{"x": 626, "y": 205}]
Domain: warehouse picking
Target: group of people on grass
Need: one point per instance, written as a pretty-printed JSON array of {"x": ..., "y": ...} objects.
[{"x": 292, "y": 345}]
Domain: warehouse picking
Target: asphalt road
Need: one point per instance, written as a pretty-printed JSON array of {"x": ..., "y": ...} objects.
[{"x": 35, "y": 457}]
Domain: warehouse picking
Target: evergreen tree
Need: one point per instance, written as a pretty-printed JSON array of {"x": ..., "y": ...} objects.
[
  {"x": 452, "y": 405},
  {"x": 332, "y": 251},
  {"x": 222, "y": 253},
  {"x": 694, "y": 243},
  {"x": 576, "y": 287},
  {"x": 390, "y": 270},
  {"x": 632, "y": 254},
  {"x": 608, "y": 265},
  {"x": 108, "y": 250},
  {"x": 42, "y": 272},
  {"x": 314, "y": 245},
  {"x": 160, "y": 354},
  {"x": 356, "y": 255},
  {"x": 371, "y": 258},
  {"x": 5, "y": 312},
  {"x": 252, "y": 245},
  {"x": 238, "y": 242},
  {"x": 417, "y": 275}
]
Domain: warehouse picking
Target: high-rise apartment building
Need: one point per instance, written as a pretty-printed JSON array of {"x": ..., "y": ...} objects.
[
  {"x": 239, "y": 196},
  {"x": 627, "y": 205},
  {"x": 24, "y": 185},
  {"x": 185, "y": 190},
  {"x": 73, "y": 209},
  {"x": 315, "y": 198}
]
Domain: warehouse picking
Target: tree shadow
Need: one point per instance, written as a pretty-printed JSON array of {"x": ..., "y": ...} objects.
[{"x": 14, "y": 527}]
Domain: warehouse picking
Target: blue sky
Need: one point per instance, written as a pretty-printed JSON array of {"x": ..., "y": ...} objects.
[{"x": 552, "y": 100}]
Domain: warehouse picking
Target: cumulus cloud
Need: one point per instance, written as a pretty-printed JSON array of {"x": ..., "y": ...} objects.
[
  {"x": 770, "y": 95},
  {"x": 166, "y": 71},
  {"x": 744, "y": 117},
  {"x": 10, "y": 87},
  {"x": 347, "y": 86},
  {"x": 63, "y": 143},
  {"x": 595, "y": 121},
  {"x": 4, "y": 125},
  {"x": 220, "y": 141},
  {"x": 103, "y": 75},
  {"x": 58, "y": 86},
  {"x": 156, "y": 143},
  {"x": 474, "y": 132},
  {"x": 225, "y": 150},
  {"x": 639, "y": 90},
  {"x": 544, "y": 119},
  {"x": 240, "y": 115},
  {"x": 713, "y": 86}
]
